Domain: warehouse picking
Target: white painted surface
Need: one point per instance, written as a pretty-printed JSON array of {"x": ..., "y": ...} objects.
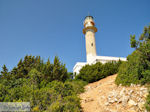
[
  {"x": 94, "y": 59},
  {"x": 78, "y": 66}
]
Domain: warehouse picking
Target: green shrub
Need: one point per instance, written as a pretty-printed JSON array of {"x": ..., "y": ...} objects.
[
  {"x": 90, "y": 73},
  {"x": 147, "y": 105},
  {"x": 77, "y": 85},
  {"x": 95, "y": 72},
  {"x": 68, "y": 104},
  {"x": 130, "y": 71},
  {"x": 72, "y": 104}
]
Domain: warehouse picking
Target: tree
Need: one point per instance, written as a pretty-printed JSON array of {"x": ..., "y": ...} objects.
[
  {"x": 137, "y": 69},
  {"x": 133, "y": 42},
  {"x": 35, "y": 78},
  {"x": 4, "y": 71},
  {"x": 48, "y": 69},
  {"x": 41, "y": 84},
  {"x": 59, "y": 70}
]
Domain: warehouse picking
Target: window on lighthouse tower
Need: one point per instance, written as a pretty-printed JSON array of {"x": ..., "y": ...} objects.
[{"x": 88, "y": 24}]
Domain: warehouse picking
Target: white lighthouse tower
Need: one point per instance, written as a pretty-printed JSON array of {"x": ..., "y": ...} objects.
[{"x": 89, "y": 30}]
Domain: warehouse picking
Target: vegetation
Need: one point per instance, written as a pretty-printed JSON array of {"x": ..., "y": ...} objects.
[
  {"x": 147, "y": 105},
  {"x": 95, "y": 72},
  {"x": 137, "y": 69},
  {"x": 48, "y": 87}
]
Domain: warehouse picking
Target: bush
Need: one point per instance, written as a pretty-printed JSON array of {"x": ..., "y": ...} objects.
[
  {"x": 147, "y": 105},
  {"x": 130, "y": 71},
  {"x": 68, "y": 104},
  {"x": 95, "y": 72},
  {"x": 77, "y": 85}
]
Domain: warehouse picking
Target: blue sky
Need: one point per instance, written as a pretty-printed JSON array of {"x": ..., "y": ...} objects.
[{"x": 54, "y": 27}]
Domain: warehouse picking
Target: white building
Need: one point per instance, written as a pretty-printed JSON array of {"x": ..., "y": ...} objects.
[{"x": 89, "y": 30}]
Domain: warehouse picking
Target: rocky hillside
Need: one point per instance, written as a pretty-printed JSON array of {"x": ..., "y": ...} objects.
[{"x": 105, "y": 96}]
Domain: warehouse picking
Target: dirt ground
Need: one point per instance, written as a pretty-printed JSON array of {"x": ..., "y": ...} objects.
[{"x": 94, "y": 99}]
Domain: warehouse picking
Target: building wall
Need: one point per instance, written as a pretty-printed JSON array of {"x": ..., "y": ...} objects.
[
  {"x": 95, "y": 59},
  {"x": 78, "y": 67}
]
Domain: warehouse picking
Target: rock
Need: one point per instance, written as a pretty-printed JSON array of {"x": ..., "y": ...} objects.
[
  {"x": 119, "y": 101},
  {"x": 141, "y": 94},
  {"x": 145, "y": 95},
  {"x": 95, "y": 86},
  {"x": 130, "y": 92},
  {"x": 145, "y": 111},
  {"x": 108, "y": 110},
  {"x": 103, "y": 97},
  {"x": 99, "y": 91},
  {"x": 141, "y": 105},
  {"x": 138, "y": 85},
  {"x": 139, "y": 99},
  {"x": 125, "y": 100},
  {"x": 134, "y": 96},
  {"x": 88, "y": 88},
  {"x": 116, "y": 100},
  {"x": 132, "y": 111},
  {"x": 132, "y": 85},
  {"x": 120, "y": 85},
  {"x": 111, "y": 101},
  {"x": 132, "y": 103},
  {"x": 118, "y": 96},
  {"x": 142, "y": 100},
  {"x": 122, "y": 91},
  {"x": 88, "y": 100},
  {"x": 110, "y": 96},
  {"x": 143, "y": 89},
  {"x": 106, "y": 104}
]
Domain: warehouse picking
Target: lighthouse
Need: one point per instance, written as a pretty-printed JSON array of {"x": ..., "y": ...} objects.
[{"x": 89, "y": 31}]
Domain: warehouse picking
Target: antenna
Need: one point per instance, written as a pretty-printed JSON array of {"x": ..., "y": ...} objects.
[{"x": 88, "y": 14}]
